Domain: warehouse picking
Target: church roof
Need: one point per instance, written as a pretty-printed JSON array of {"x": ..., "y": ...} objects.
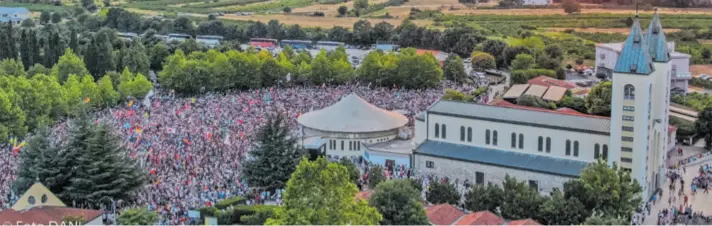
[
  {"x": 655, "y": 38},
  {"x": 501, "y": 158},
  {"x": 529, "y": 117},
  {"x": 353, "y": 114},
  {"x": 635, "y": 57}
]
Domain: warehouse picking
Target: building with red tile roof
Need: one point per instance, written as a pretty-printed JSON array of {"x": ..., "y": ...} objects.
[
  {"x": 480, "y": 218},
  {"x": 47, "y": 215},
  {"x": 565, "y": 111},
  {"x": 523, "y": 222},
  {"x": 443, "y": 214},
  {"x": 547, "y": 81}
]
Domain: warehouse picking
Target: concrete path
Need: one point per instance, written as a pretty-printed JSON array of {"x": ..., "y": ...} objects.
[{"x": 700, "y": 201}]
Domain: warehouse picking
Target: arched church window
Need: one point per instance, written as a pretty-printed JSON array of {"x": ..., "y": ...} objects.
[{"x": 629, "y": 92}]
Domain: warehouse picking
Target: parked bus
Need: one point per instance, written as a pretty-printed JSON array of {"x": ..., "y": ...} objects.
[
  {"x": 328, "y": 45},
  {"x": 296, "y": 44},
  {"x": 264, "y": 42}
]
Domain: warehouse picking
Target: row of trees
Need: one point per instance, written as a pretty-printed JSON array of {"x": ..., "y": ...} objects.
[
  {"x": 601, "y": 192},
  {"x": 70, "y": 168},
  {"x": 40, "y": 96},
  {"x": 219, "y": 71}
]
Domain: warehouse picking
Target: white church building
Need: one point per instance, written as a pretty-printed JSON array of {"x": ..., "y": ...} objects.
[{"x": 483, "y": 143}]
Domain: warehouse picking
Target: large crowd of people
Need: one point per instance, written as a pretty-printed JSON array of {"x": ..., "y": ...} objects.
[{"x": 192, "y": 147}]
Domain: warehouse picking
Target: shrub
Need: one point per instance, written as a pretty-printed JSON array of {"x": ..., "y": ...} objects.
[{"x": 237, "y": 200}]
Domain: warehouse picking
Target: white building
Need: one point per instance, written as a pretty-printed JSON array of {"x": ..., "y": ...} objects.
[
  {"x": 484, "y": 143},
  {"x": 607, "y": 55},
  {"x": 536, "y": 2},
  {"x": 349, "y": 125},
  {"x": 178, "y": 37}
]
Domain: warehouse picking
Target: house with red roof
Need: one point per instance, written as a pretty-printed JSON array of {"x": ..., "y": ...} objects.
[
  {"x": 480, "y": 218},
  {"x": 443, "y": 214},
  {"x": 39, "y": 206},
  {"x": 547, "y": 81}
]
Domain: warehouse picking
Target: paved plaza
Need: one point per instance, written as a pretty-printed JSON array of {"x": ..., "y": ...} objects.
[{"x": 700, "y": 202}]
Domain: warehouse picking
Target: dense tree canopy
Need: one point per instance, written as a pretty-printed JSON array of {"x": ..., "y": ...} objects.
[
  {"x": 399, "y": 203},
  {"x": 598, "y": 101},
  {"x": 333, "y": 204},
  {"x": 442, "y": 192}
]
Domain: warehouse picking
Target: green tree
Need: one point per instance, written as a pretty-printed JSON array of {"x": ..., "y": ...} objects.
[
  {"x": 533, "y": 101},
  {"x": 159, "y": 52},
  {"x": 99, "y": 58},
  {"x": 598, "y": 219},
  {"x": 136, "y": 59},
  {"x": 482, "y": 61},
  {"x": 12, "y": 67},
  {"x": 287, "y": 9},
  {"x": 342, "y": 10},
  {"x": 360, "y": 4},
  {"x": 607, "y": 189},
  {"x": 481, "y": 197},
  {"x": 598, "y": 101},
  {"x": 56, "y": 18},
  {"x": 442, "y": 192},
  {"x": 38, "y": 164},
  {"x": 523, "y": 62},
  {"x": 137, "y": 216},
  {"x": 571, "y": 6},
  {"x": 109, "y": 96},
  {"x": 399, "y": 203},
  {"x": 418, "y": 71},
  {"x": 354, "y": 172},
  {"x": 520, "y": 200},
  {"x": 703, "y": 126},
  {"x": 454, "y": 69},
  {"x": 558, "y": 210},
  {"x": 375, "y": 176},
  {"x": 275, "y": 158},
  {"x": 12, "y": 118},
  {"x": 575, "y": 103},
  {"x": 333, "y": 204},
  {"x": 68, "y": 64},
  {"x": 119, "y": 176},
  {"x": 451, "y": 94},
  {"x": 38, "y": 69},
  {"x": 28, "y": 23},
  {"x": 44, "y": 17}
]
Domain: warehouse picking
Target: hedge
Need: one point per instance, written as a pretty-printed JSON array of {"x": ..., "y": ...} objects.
[{"x": 237, "y": 200}]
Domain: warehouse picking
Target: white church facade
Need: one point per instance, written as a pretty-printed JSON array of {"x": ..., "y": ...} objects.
[{"x": 483, "y": 143}]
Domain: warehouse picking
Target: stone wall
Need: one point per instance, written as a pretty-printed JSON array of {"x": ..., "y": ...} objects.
[{"x": 461, "y": 170}]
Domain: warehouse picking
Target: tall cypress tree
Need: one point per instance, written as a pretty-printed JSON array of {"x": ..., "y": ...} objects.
[
  {"x": 25, "y": 50},
  {"x": 47, "y": 51},
  {"x": 73, "y": 41},
  {"x": 99, "y": 57},
  {"x": 12, "y": 45},
  {"x": 58, "y": 46},
  {"x": 34, "y": 47}
]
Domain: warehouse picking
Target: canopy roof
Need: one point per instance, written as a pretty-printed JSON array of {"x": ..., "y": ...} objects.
[{"x": 352, "y": 114}]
